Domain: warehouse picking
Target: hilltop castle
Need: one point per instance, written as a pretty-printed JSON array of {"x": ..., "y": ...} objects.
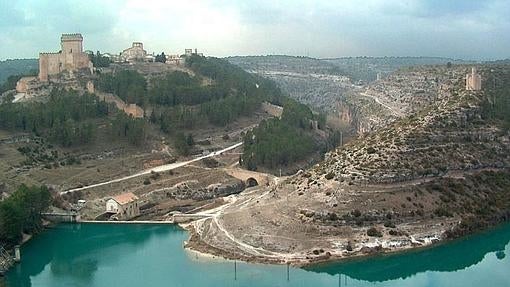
[{"x": 70, "y": 58}]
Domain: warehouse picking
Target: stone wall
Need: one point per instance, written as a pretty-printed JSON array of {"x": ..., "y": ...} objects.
[{"x": 70, "y": 58}]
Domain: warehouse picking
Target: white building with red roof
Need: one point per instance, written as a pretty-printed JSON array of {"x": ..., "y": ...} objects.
[{"x": 123, "y": 206}]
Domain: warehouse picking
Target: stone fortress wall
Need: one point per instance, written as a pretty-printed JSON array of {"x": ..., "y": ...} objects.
[{"x": 70, "y": 58}]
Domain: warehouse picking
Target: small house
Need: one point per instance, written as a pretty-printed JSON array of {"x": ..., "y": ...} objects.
[{"x": 123, "y": 206}]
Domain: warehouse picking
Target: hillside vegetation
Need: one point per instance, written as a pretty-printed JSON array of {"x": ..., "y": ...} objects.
[
  {"x": 21, "y": 212},
  {"x": 69, "y": 119},
  {"x": 281, "y": 142},
  {"x": 17, "y": 67}
]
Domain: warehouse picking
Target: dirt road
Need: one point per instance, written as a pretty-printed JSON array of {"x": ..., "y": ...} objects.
[{"x": 160, "y": 168}]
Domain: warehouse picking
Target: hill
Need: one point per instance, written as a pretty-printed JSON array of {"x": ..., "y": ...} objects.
[
  {"x": 17, "y": 67},
  {"x": 433, "y": 174}
]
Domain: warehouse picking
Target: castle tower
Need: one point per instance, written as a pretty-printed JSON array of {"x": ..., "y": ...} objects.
[
  {"x": 70, "y": 58},
  {"x": 473, "y": 80},
  {"x": 71, "y": 44}
]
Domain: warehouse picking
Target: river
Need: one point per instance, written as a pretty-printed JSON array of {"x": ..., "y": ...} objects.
[{"x": 152, "y": 255}]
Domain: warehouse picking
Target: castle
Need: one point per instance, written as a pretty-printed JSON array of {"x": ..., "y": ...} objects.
[
  {"x": 473, "y": 81},
  {"x": 70, "y": 58}
]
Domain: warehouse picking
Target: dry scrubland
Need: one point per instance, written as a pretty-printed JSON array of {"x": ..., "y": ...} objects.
[{"x": 438, "y": 171}]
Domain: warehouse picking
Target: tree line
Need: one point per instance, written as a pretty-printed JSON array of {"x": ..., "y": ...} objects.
[
  {"x": 281, "y": 142},
  {"x": 99, "y": 60},
  {"x": 183, "y": 101},
  {"x": 70, "y": 119},
  {"x": 128, "y": 85},
  {"x": 21, "y": 212}
]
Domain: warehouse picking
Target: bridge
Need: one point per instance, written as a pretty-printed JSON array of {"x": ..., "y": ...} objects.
[{"x": 251, "y": 178}]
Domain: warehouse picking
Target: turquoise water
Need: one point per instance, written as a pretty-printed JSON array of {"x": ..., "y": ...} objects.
[{"x": 152, "y": 255}]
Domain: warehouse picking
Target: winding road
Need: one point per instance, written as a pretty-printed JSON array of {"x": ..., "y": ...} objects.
[
  {"x": 160, "y": 168},
  {"x": 378, "y": 101}
]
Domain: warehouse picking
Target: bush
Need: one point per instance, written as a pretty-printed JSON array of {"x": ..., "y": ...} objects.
[
  {"x": 371, "y": 150},
  {"x": 330, "y": 176},
  {"x": 442, "y": 211},
  {"x": 356, "y": 213},
  {"x": 373, "y": 232},
  {"x": 21, "y": 212}
]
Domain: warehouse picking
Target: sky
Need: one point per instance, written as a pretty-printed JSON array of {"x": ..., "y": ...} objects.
[{"x": 461, "y": 29}]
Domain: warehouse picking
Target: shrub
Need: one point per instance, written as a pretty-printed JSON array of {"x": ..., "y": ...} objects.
[
  {"x": 372, "y": 231},
  {"x": 442, "y": 211},
  {"x": 356, "y": 213}
]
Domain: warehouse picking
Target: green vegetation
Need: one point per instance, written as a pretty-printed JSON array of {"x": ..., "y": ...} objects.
[
  {"x": 496, "y": 104},
  {"x": 179, "y": 88},
  {"x": 21, "y": 212},
  {"x": 132, "y": 129},
  {"x": 182, "y": 101},
  {"x": 183, "y": 143},
  {"x": 161, "y": 58},
  {"x": 68, "y": 119},
  {"x": 485, "y": 201},
  {"x": 280, "y": 142},
  {"x": 130, "y": 86},
  {"x": 374, "y": 232},
  {"x": 64, "y": 119},
  {"x": 10, "y": 83},
  {"x": 98, "y": 60},
  {"x": 18, "y": 67}
]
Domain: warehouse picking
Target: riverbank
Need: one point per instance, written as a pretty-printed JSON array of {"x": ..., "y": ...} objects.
[
  {"x": 335, "y": 221},
  {"x": 196, "y": 246},
  {"x": 96, "y": 255}
]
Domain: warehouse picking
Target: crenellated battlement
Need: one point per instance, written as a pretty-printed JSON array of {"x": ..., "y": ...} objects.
[
  {"x": 70, "y": 57},
  {"x": 71, "y": 37},
  {"x": 49, "y": 53}
]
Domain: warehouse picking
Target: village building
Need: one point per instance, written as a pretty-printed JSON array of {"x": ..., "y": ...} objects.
[
  {"x": 134, "y": 54},
  {"x": 190, "y": 52},
  {"x": 174, "y": 60},
  {"x": 123, "y": 206},
  {"x": 473, "y": 80}
]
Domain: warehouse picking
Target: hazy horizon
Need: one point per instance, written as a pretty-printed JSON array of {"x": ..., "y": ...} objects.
[{"x": 468, "y": 30}]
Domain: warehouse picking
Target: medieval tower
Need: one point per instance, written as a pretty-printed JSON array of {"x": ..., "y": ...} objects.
[
  {"x": 70, "y": 58},
  {"x": 473, "y": 81}
]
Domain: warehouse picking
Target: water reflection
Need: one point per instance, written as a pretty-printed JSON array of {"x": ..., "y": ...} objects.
[
  {"x": 449, "y": 257},
  {"x": 145, "y": 255},
  {"x": 73, "y": 253}
]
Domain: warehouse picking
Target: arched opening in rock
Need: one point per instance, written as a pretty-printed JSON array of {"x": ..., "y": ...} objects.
[{"x": 251, "y": 182}]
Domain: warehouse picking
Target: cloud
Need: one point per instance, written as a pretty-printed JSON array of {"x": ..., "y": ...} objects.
[{"x": 468, "y": 28}]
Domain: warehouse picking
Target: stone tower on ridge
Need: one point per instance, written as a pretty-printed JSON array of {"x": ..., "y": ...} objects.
[{"x": 473, "y": 81}]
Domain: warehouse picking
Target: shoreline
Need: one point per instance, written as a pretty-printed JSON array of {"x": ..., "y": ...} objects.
[
  {"x": 203, "y": 248},
  {"x": 202, "y": 251}
]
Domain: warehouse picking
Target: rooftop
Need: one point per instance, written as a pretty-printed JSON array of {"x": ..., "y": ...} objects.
[{"x": 125, "y": 198}]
